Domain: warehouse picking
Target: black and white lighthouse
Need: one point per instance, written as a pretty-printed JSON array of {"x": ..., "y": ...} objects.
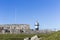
[{"x": 36, "y": 25}]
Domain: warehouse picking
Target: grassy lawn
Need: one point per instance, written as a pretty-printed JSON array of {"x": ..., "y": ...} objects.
[
  {"x": 52, "y": 36},
  {"x": 14, "y": 36}
]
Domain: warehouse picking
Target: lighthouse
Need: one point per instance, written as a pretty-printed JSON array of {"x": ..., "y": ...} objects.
[{"x": 36, "y": 25}]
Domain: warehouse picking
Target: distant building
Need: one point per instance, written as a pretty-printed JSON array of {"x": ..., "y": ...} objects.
[
  {"x": 13, "y": 28},
  {"x": 36, "y": 25},
  {"x": 21, "y": 28}
]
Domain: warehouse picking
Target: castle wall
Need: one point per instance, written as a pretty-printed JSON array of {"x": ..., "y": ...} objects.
[{"x": 13, "y": 28}]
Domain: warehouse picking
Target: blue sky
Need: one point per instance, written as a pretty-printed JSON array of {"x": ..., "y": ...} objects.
[{"x": 47, "y": 12}]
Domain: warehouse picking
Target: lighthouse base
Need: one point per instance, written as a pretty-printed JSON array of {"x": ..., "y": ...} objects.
[{"x": 36, "y": 28}]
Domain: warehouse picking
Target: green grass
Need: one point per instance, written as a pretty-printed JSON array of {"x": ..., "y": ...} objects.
[
  {"x": 14, "y": 36},
  {"x": 52, "y": 36}
]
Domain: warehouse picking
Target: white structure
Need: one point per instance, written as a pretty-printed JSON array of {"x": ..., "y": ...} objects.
[
  {"x": 34, "y": 38},
  {"x": 26, "y": 38},
  {"x": 14, "y": 28},
  {"x": 36, "y": 25}
]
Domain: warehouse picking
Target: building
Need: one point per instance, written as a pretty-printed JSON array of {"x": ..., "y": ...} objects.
[
  {"x": 13, "y": 28},
  {"x": 21, "y": 28},
  {"x": 36, "y": 25}
]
